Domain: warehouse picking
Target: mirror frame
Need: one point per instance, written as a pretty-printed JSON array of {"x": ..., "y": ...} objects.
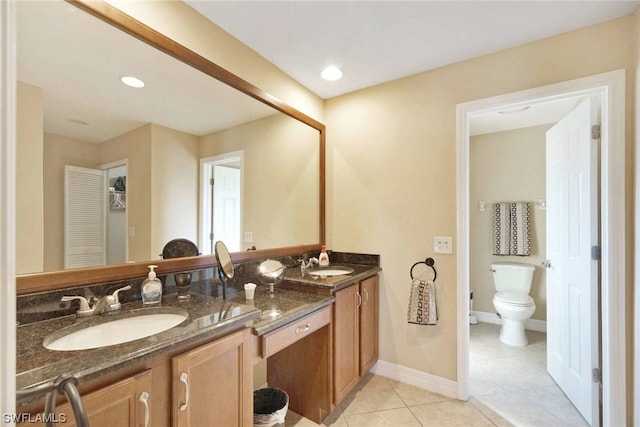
[{"x": 62, "y": 279}]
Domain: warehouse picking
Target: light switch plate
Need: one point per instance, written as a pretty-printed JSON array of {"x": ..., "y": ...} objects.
[{"x": 443, "y": 244}]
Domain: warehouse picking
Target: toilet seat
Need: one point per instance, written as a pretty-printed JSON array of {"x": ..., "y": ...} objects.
[{"x": 514, "y": 299}]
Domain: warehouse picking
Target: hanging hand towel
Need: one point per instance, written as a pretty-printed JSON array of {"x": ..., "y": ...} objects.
[
  {"x": 422, "y": 303},
  {"x": 520, "y": 229},
  {"x": 501, "y": 229}
]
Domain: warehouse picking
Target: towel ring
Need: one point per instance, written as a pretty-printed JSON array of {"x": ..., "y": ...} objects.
[{"x": 429, "y": 263}]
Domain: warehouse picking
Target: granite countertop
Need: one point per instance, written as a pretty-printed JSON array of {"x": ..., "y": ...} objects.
[
  {"x": 281, "y": 307},
  {"x": 332, "y": 283},
  {"x": 208, "y": 317}
]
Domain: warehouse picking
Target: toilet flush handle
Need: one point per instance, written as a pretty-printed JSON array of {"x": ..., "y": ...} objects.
[{"x": 546, "y": 263}]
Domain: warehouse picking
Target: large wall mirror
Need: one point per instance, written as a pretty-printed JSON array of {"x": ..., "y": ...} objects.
[{"x": 152, "y": 152}]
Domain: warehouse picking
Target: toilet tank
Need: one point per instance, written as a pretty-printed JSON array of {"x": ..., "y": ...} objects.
[{"x": 512, "y": 276}]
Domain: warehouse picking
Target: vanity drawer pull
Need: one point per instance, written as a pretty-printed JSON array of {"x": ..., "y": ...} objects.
[{"x": 304, "y": 328}]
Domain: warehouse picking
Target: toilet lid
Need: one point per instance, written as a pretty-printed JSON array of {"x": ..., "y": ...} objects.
[{"x": 514, "y": 298}]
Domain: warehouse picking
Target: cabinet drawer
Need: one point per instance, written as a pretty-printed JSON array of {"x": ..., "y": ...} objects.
[{"x": 275, "y": 341}]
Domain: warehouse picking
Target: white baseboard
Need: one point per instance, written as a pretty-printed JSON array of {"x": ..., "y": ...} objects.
[
  {"x": 431, "y": 383},
  {"x": 530, "y": 324}
]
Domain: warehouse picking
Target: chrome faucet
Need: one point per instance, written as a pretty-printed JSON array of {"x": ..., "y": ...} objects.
[
  {"x": 306, "y": 264},
  {"x": 102, "y": 305}
]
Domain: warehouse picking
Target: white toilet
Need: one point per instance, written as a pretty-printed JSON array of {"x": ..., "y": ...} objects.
[{"x": 512, "y": 301}]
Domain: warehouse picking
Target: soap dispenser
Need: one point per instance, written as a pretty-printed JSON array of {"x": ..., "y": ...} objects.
[
  {"x": 151, "y": 288},
  {"x": 323, "y": 258}
]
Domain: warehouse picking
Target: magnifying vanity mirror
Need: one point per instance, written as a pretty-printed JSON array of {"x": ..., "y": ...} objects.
[
  {"x": 225, "y": 265},
  {"x": 270, "y": 272},
  {"x": 211, "y": 127}
]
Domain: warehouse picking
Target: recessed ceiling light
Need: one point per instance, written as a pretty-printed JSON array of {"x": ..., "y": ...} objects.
[
  {"x": 331, "y": 73},
  {"x": 132, "y": 81}
]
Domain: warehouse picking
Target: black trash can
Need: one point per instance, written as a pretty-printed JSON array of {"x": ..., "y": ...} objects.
[{"x": 269, "y": 407}]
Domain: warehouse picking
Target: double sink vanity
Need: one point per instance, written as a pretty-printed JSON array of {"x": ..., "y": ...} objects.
[{"x": 318, "y": 335}]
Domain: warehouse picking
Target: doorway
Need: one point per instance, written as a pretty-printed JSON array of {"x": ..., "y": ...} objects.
[
  {"x": 221, "y": 192},
  {"x": 117, "y": 219},
  {"x": 508, "y": 163},
  {"x": 609, "y": 87}
]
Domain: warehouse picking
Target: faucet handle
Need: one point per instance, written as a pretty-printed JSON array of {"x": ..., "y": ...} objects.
[
  {"x": 113, "y": 300},
  {"x": 84, "y": 309}
]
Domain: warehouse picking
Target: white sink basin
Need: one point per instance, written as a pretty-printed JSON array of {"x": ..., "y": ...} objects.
[
  {"x": 113, "y": 332},
  {"x": 330, "y": 271}
]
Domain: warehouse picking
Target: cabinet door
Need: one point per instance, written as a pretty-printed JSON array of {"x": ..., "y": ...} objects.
[
  {"x": 368, "y": 324},
  {"x": 212, "y": 384},
  {"x": 346, "y": 341},
  {"x": 119, "y": 404}
]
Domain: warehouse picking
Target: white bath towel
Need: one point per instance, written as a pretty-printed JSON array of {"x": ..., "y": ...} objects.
[{"x": 422, "y": 303}]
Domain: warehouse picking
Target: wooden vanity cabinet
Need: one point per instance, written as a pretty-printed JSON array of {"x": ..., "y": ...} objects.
[
  {"x": 355, "y": 334},
  {"x": 126, "y": 403},
  {"x": 219, "y": 375},
  {"x": 213, "y": 384}
]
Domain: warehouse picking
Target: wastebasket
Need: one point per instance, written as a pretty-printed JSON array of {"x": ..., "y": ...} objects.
[{"x": 269, "y": 407}]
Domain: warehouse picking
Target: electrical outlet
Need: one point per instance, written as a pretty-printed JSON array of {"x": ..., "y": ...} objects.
[
  {"x": 248, "y": 237},
  {"x": 443, "y": 244}
]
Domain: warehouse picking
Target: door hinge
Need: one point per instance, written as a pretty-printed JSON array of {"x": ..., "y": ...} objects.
[
  {"x": 596, "y": 376},
  {"x": 211, "y": 181},
  {"x": 595, "y": 132},
  {"x": 211, "y": 236},
  {"x": 596, "y": 253}
]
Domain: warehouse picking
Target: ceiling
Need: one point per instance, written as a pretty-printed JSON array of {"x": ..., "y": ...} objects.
[
  {"x": 378, "y": 41},
  {"x": 77, "y": 60},
  {"x": 372, "y": 42}
]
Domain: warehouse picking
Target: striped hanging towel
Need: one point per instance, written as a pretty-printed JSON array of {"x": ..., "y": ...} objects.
[
  {"x": 422, "y": 303},
  {"x": 501, "y": 232},
  {"x": 520, "y": 229}
]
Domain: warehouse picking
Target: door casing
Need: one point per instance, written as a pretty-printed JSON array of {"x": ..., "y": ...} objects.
[{"x": 610, "y": 87}]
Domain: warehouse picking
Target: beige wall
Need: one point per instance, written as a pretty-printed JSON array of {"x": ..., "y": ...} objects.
[
  {"x": 506, "y": 166},
  {"x": 280, "y": 178},
  {"x": 633, "y": 200},
  {"x": 174, "y": 187},
  {"x": 392, "y": 170},
  {"x": 29, "y": 199}
]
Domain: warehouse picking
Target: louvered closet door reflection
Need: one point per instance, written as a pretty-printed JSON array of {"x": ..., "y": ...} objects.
[{"x": 85, "y": 201}]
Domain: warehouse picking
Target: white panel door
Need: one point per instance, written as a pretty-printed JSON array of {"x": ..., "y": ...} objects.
[
  {"x": 226, "y": 206},
  {"x": 572, "y": 276},
  {"x": 85, "y": 203}
]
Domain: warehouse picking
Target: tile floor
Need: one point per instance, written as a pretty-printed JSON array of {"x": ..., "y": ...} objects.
[
  {"x": 509, "y": 386},
  {"x": 513, "y": 381}
]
